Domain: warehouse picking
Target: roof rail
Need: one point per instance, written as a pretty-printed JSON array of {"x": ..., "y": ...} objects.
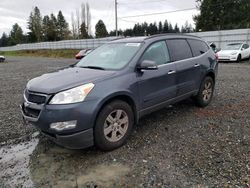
[{"x": 166, "y": 34}]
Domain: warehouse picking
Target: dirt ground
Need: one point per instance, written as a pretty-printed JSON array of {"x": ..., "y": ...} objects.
[{"x": 179, "y": 146}]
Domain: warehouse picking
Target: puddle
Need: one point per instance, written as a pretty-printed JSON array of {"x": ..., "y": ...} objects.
[
  {"x": 41, "y": 163},
  {"x": 14, "y": 164}
]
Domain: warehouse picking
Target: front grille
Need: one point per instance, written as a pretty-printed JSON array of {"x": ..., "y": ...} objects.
[
  {"x": 35, "y": 98},
  {"x": 31, "y": 112}
]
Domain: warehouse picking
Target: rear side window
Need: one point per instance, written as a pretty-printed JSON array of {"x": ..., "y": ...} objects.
[
  {"x": 179, "y": 49},
  {"x": 198, "y": 47}
]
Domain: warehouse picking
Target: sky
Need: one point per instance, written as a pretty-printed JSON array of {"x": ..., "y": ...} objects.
[{"x": 18, "y": 11}]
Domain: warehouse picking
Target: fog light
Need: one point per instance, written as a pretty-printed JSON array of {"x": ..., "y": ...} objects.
[{"x": 59, "y": 126}]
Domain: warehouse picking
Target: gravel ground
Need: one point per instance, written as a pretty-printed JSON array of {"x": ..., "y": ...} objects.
[{"x": 179, "y": 146}]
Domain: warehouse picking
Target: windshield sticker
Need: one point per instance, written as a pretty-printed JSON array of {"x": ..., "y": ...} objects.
[{"x": 133, "y": 44}]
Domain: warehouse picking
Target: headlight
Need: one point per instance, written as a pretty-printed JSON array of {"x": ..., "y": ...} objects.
[
  {"x": 77, "y": 94},
  {"x": 234, "y": 53}
]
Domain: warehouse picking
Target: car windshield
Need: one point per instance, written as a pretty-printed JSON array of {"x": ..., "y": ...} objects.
[
  {"x": 233, "y": 46},
  {"x": 110, "y": 56}
]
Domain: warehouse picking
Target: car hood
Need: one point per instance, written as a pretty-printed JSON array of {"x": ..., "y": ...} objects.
[
  {"x": 65, "y": 79},
  {"x": 227, "y": 52}
]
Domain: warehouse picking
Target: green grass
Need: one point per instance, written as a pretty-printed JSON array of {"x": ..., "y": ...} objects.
[{"x": 43, "y": 53}]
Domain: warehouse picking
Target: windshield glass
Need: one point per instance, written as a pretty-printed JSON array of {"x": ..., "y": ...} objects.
[
  {"x": 110, "y": 56},
  {"x": 233, "y": 46}
]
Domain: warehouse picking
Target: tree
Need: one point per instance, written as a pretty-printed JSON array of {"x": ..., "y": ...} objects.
[
  {"x": 46, "y": 22},
  {"x": 50, "y": 28},
  {"x": 16, "y": 35},
  {"x": 219, "y": 15},
  {"x": 187, "y": 28},
  {"x": 83, "y": 31},
  {"x": 35, "y": 25},
  {"x": 176, "y": 28},
  {"x": 4, "y": 40},
  {"x": 100, "y": 29},
  {"x": 165, "y": 27},
  {"x": 62, "y": 27},
  {"x": 160, "y": 27}
]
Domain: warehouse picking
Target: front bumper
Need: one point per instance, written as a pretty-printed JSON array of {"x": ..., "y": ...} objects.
[
  {"x": 228, "y": 58},
  {"x": 42, "y": 116}
]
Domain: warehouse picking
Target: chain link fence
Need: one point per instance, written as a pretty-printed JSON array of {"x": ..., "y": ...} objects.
[{"x": 220, "y": 38}]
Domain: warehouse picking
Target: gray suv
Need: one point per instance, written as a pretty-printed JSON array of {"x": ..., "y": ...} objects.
[{"x": 99, "y": 100}]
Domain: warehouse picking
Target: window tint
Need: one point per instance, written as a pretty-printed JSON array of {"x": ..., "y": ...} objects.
[
  {"x": 179, "y": 49},
  {"x": 158, "y": 53},
  {"x": 198, "y": 47},
  {"x": 245, "y": 46}
]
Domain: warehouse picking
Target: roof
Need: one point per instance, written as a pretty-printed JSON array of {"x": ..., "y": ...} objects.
[{"x": 161, "y": 36}]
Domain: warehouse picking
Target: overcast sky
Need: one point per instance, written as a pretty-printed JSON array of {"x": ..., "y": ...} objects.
[{"x": 18, "y": 11}]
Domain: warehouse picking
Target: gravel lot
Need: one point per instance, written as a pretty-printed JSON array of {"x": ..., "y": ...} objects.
[{"x": 179, "y": 146}]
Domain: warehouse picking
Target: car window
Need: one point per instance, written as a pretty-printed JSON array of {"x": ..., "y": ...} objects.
[
  {"x": 198, "y": 47},
  {"x": 245, "y": 46},
  {"x": 179, "y": 49},
  {"x": 158, "y": 53}
]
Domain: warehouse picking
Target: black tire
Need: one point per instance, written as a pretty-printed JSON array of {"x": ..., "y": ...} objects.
[
  {"x": 200, "y": 97},
  {"x": 239, "y": 58},
  {"x": 101, "y": 140}
]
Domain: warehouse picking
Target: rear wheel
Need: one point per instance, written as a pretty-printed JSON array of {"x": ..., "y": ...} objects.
[
  {"x": 205, "y": 93},
  {"x": 113, "y": 125}
]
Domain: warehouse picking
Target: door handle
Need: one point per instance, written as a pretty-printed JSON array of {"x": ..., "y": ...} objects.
[
  {"x": 197, "y": 65},
  {"x": 171, "y": 72}
]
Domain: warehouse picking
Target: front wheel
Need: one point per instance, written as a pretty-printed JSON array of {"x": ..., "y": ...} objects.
[
  {"x": 239, "y": 58},
  {"x": 113, "y": 125},
  {"x": 205, "y": 93}
]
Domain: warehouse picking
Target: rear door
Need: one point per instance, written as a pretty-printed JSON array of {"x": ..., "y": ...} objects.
[
  {"x": 188, "y": 68},
  {"x": 157, "y": 86}
]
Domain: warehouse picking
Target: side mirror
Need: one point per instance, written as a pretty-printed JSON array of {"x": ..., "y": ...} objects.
[
  {"x": 148, "y": 65},
  {"x": 242, "y": 49}
]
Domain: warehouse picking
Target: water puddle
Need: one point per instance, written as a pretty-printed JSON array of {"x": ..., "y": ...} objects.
[
  {"x": 14, "y": 164},
  {"x": 41, "y": 163}
]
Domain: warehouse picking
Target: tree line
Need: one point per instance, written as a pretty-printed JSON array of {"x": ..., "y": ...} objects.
[{"x": 214, "y": 15}]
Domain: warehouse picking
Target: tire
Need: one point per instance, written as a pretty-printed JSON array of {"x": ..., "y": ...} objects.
[
  {"x": 205, "y": 94},
  {"x": 239, "y": 58},
  {"x": 113, "y": 125}
]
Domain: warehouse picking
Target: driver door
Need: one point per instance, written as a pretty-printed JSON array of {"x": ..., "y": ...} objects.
[{"x": 157, "y": 86}]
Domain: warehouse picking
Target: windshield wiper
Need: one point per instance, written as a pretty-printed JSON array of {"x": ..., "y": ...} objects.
[{"x": 92, "y": 67}]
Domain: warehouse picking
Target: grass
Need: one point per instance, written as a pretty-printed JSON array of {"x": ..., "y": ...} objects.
[{"x": 43, "y": 53}]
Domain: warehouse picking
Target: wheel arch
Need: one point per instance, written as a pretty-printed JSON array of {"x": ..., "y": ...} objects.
[{"x": 123, "y": 96}]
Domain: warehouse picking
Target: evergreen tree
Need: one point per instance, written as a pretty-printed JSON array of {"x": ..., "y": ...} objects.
[
  {"x": 160, "y": 27},
  {"x": 100, "y": 29},
  {"x": 220, "y": 15},
  {"x": 170, "y": 28},
  {"x": 46, "y": 22},
  {"x": 165, "y": 27},
  {"x": 4, "y": 40},
  {"x": 83, "y": 31},
  {"x": 16, "y": 35},
  {"x": 52, "y": 28},
  {"x": 62, "y": 27},
  {"x": 35, "y": 25},
  {"x": 176, "y": 28}
]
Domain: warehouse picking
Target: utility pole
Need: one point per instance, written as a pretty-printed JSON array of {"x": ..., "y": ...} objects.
[{"x": 116, "y": 21}]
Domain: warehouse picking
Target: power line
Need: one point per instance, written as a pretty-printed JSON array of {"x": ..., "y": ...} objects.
[
  {"x": 158, "y": 13},
  {"x": 142, "y": 2}
]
